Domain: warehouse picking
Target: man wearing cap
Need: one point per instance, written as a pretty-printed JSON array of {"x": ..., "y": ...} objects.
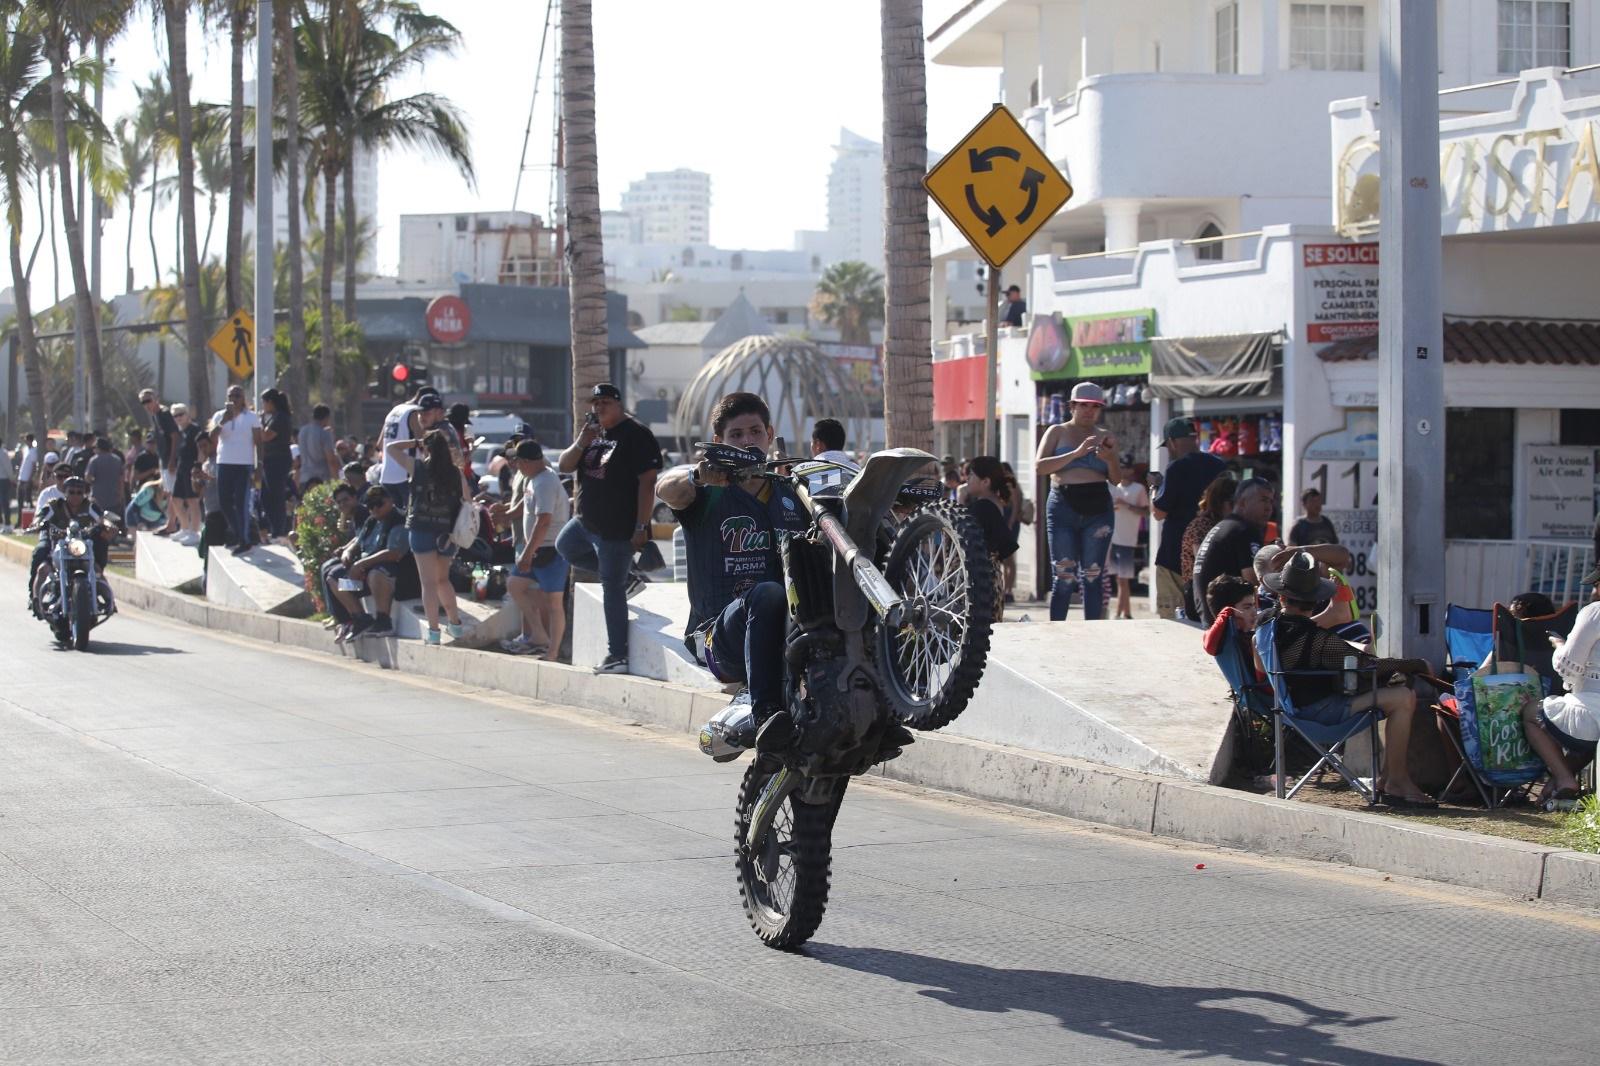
[
  {"x": 1304, "y": 645},
  {"x": 370, "y": 561},
  {"x": 616, "y": 460},
  {"x": 538, "y": 580},
  {"x": 405, "y": 421},
  {"x": 1178, "y": 491},
  {"x": 71, "y": 501}
]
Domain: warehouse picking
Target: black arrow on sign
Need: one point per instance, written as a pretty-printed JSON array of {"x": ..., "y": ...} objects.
[
  {"x": 1031, "y": 180},
  {"x": 982, "y": 162},
  {"x": 991, "y": 217}
]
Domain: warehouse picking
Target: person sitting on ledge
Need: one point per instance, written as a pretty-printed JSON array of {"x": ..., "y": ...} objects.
[{"x": 1304, "y": 645}]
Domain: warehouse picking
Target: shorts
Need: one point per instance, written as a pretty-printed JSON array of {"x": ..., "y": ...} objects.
[
  {"x": 183, "y": 483},
  {"x": 425, "y": 543},
  {"x": 169, "y": 478},
  {"x": 1569, "y": 744},
  {"x": 551, "y": 577},
  {"x": 1121, "y": 562}
]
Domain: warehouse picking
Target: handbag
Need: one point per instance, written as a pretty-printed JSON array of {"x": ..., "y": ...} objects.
[
  {"x": 465, "y": 532},
  {"x": 1491, "y": 707}
]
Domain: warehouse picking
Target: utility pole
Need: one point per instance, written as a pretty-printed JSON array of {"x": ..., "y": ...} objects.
[
  {"x": 266, "y": 333},
  {"x": 1410, "y": 337},
  {"x": 96, "y": 223}
]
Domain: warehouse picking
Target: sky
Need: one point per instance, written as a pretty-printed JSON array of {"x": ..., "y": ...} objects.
[{"x": 752, "y": 91}]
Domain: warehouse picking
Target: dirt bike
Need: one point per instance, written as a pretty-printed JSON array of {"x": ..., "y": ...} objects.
[
  {"x": 891, "y": 602},
  {"x": 74, "y": 597}
]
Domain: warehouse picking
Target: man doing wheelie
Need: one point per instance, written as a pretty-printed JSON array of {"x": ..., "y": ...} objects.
[{"x": 732, "y": 532}]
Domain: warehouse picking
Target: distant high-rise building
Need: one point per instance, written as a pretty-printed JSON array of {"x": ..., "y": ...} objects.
[
  {"x": 855, "y": 199},
  {"x": 670, "y": 207},
  {"x": 618, "y": 228}
]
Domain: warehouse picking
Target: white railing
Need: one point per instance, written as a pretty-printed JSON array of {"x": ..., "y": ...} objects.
[{"x": 1479, "y": 573}]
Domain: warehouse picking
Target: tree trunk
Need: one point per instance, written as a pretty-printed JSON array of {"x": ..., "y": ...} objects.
[
  {"x": 326, "y": 366},
  {"x": 205, "y": 242},
  {"x": 55, "y": 254},
  {"x": 38, "y": 405},
  {"x": 907, "y": 321},
  {"x": 176, "y": 17},
  {"x": 127, "y": 249},
  {"x": 155, "y": 255},
  {"x": 591, "y": 359},
  {"x": 299, "y": 386},
  {"x": 351, "y": 229},
  {"x": 84, "y": 309},
  {"x": 236, "y": 169}
]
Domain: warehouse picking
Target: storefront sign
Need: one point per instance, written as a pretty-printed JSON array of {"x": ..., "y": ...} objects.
[
  {"x": 448, "y": 319},
  {"x": 1560, "y": 491},
  {"x": 1340, "y": 291},
  {"x": 1343, "y": 466},
  {"x": 1098, "y": 346}
]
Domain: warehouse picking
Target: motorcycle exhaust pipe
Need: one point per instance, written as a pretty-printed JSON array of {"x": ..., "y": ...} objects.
[{"x": 873, "y": 584}]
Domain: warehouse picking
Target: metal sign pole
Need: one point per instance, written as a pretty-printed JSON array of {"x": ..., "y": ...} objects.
[
  {"x": 991, "y": 358},
  {"x": 266, "y": 368},
  {"x": 1411, "y": 338}
]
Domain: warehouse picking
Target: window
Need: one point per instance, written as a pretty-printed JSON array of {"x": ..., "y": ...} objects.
[
  {"x": 1327, "y": 37},
  {"x": 1208, "y": 253},
  {"x": 1535, "y": 33},
  {"x": 1478, "y": 472},
  {"x": 1227, "y": 39}
]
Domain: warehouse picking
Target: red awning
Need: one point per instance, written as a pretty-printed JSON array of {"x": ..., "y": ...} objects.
[
  {"x": 958, "y": 390},
  {"x": 1500, "y": 342}
]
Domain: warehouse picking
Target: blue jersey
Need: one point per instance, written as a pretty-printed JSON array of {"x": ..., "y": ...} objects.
[{"x": 732, "y": 539}]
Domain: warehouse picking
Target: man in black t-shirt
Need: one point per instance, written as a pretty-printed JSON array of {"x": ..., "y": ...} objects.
[
  {"x": 732, "y": 536},
  {"x": 1231, "y": 545},
  {"x": 1177, "y": 497},
  {"x": 616, "y": 460}
]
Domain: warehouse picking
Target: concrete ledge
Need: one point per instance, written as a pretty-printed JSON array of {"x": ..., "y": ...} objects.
[
  {"x": 161, "y": 561},
  {"x": 1165, "y": 807},
  {"x": 267, "y": 578}
]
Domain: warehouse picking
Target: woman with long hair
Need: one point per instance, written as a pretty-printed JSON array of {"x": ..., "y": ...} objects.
[
  {"x": 988, "y": 496},
  {"x": 277, "y": 461},
  {"x": 1082, "y": 461},
  {"x": 1216, "y": 503},
  {"x": 438, "y": 492}
]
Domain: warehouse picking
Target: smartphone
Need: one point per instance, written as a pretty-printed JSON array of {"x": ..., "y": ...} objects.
[{"x": 591, "y": 419}]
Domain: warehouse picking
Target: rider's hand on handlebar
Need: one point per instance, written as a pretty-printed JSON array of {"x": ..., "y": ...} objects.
[{"x": 710, "y": 475}]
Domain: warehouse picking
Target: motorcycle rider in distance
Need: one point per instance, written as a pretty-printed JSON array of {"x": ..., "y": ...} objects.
[
  {"x": 738, "y": 608},
  {"x": 72, "y": 503}
]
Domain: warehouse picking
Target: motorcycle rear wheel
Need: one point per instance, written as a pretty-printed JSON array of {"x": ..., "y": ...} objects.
[
  {"x": 784, "y": 885},
  {"x": 82, "y": 607},
  {"x": 932, "y": 664}
]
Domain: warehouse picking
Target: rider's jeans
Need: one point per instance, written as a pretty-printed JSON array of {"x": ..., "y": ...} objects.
[{"x": 754, "y": 623}]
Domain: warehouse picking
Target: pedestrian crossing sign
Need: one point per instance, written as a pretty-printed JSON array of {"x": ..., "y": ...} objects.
[
  {"x": 997, "y": 186},
  {"x": 235, "y": 344}
]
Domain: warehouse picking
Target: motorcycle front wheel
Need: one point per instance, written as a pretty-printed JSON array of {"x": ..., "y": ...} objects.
[
  {"x": 82, "y": 606},
  {"x": 783, "y": 881},
  {"x": 932, "y": 662}
]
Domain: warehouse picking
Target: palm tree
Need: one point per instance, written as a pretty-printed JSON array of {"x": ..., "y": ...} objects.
[
  {"x": 850, "y": 296},
  {"x": 154, "y": 125},
  {"x": 591, "y": 356},
  {"x": 24, "y": 105},
  {"x": 175, "y": 17},
  {"x": 299, "y": 384},
  {"x": 908, "y": 325},
  {"x": 239, "y": 22},
  {"x": 63, "y": 24},
  {"x": 214, "y": 176},
  {"x": 135, "y": 157}
]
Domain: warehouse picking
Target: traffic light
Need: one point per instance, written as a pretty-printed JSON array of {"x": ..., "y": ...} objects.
[{"x": 405, "y": 376}]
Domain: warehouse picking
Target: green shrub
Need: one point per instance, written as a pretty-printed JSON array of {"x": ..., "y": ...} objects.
[
  {"x": 1580, "y": 830},
  {"x": 317, "y": 537}
]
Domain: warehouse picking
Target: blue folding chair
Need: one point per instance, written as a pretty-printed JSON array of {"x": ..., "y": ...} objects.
[
  {"x": 1468, "y": 639},
  {"x": 1252, "y": 702},
  {"x": 1327, "y": 741}
]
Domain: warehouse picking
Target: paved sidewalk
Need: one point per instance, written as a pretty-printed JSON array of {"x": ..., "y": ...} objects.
[{"x": 305, "y": 861}]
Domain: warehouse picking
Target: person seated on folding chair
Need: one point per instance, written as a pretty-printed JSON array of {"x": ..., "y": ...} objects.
[
  {"x": 1565, "y": 729},
  {"x": 1233, "y": 601},
  {"x": 1304, "y": 645},
  {"x": 1337, "y": 614}
]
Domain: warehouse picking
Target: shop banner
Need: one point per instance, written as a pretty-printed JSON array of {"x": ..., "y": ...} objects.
[
  {"x": 1075, "y": 347},
  {"x": 1560, "y": 491},
  {"x": 1341, "y": 291},
  {"x": 1241, "y": 364},
  {"x": 1343, "y": 466}
]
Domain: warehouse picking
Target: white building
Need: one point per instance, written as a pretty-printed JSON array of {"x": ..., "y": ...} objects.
[
  {"x": 484, "y": 247},
  {"x": 670, "y": 207},
  {"x": 855, "y": 202},
  {"x": 1216, "y": 224}
]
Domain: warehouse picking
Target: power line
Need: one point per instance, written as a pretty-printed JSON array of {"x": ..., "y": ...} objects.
[{"x": 527, "y": 130}]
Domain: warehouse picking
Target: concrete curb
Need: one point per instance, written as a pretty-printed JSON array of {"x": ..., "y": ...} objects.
[{"x": 1163, "y": 807}]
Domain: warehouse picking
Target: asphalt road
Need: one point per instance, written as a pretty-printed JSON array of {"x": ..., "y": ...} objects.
[{"x": 212, "y": 851}]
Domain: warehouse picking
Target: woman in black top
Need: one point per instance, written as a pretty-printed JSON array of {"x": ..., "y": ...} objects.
[
  {"x": 988, "y": 494},
  {"x": 185, "y": 501},
  {"x": 438, "y": 492},
  {"x": 277, "y": 459}
]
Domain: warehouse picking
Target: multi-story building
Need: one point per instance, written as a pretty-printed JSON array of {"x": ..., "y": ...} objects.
[
  {"x": 1216, "y": 224},
  {"x": 670, "y": 207},
  {"x": 855, "y": 200},
  {"x": 486, "y": 247}
]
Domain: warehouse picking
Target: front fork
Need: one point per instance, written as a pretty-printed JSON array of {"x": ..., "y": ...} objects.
[{"x": 816, "y": 790}]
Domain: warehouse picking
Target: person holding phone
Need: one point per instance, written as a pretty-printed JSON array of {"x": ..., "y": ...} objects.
[
  {"x": 237, "y": 434},
  {"x": 1080, "y": 458}
]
